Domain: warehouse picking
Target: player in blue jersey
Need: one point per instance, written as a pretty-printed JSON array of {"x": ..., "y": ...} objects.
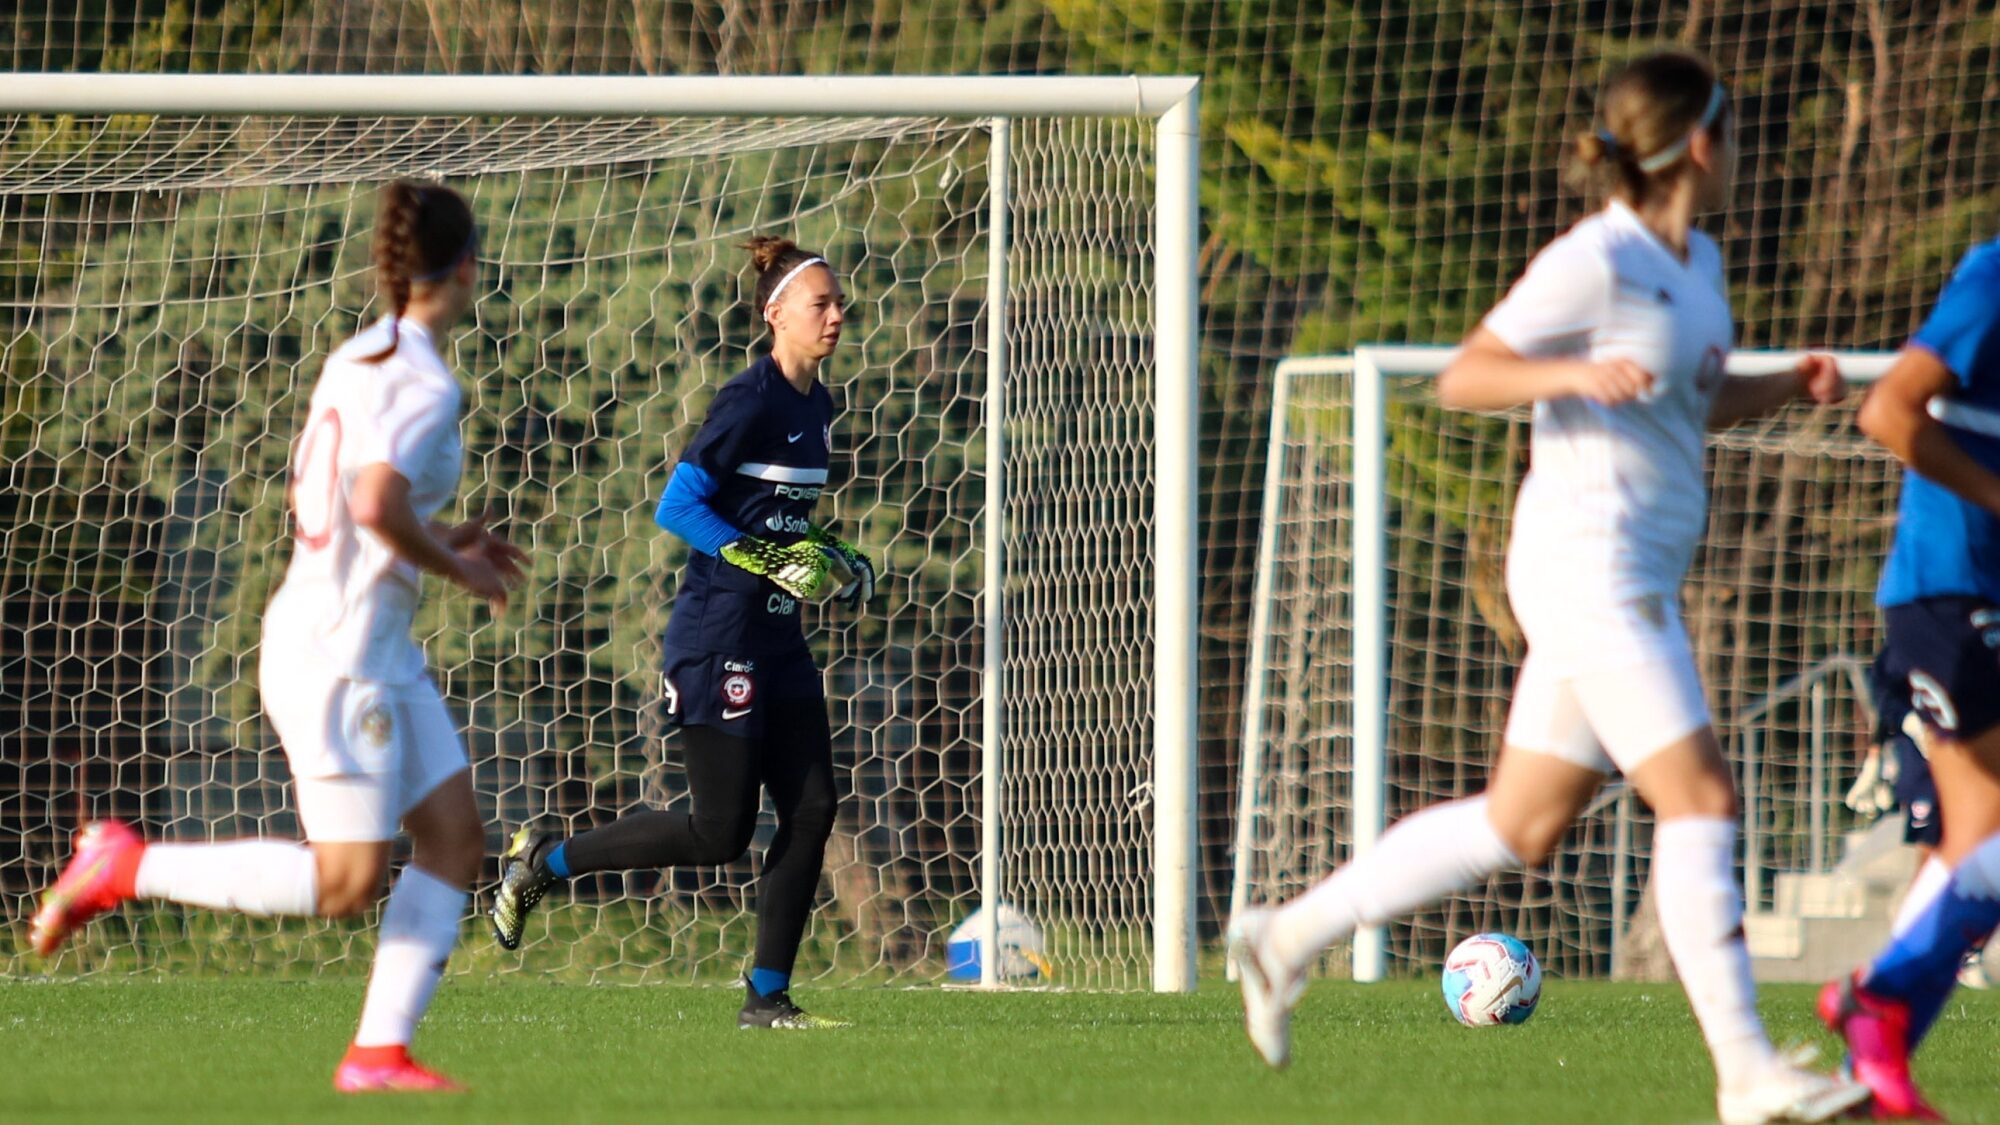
[
  {"x": 1896, "y": 777},
  {"x": 740, "y": 681},
  {"x": 1941, "y": 596}
]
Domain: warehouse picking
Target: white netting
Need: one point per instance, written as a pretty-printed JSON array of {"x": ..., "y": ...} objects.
[
  {"x": 128, "y": 152},
  {"x": 1078, "y": 691},
  {"x": 1801, "y": 511},
  {"x": 168, "y": 289},
  {"x": 1374, "y": 171}
]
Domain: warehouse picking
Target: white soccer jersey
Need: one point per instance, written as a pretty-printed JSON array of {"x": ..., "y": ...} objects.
[
  {"x": 1615, "y": 499},
  {"x": 347, "y": 600}
]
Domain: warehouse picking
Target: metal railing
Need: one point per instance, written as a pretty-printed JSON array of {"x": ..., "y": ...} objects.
[
  {"x": 1747, "y": 738},
  {"x": 1820, "y": 798}
]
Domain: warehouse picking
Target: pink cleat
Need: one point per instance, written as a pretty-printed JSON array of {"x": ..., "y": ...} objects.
[
  {"x": 98, "y": 878},
  {"x": 383, "y": 1070},
  {"x": 1877, "y": 1031}
]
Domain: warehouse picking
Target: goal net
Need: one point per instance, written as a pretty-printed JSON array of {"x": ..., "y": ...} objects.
[
  {"x": 1780, "y": 596},
  {"x": 169, "y": 287}
]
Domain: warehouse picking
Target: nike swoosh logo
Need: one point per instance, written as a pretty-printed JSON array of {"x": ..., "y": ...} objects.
[
  {"x": 729, "y": 713},
  {"x": 793, "y": 437}
]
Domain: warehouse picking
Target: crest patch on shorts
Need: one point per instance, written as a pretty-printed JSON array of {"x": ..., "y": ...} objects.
[
  {"x": 377, "y": 725},
  {"x": 738, "y": 689}
]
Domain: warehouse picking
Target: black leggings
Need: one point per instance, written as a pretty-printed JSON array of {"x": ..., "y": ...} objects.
[{"x": 794, "y": 761}]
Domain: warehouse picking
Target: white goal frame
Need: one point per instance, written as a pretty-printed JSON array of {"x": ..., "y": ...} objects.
[
  {"x": 1173, "y": 103},
  {"x": 1370, "y": 367}
]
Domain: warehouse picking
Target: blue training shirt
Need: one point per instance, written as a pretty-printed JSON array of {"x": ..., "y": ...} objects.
[
  {"x": 1947, "y": 546},
  {"x": 756, "y": 467}
]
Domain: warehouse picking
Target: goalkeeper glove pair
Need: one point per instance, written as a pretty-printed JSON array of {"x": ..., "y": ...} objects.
[
  {"x": 1874, "y": 792},
  {"x": 802, "y": 569}
]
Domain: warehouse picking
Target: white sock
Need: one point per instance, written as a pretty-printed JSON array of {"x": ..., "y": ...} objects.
[
  {"x": 1701, "y": 916},
  {"x": 1924, "y": 889},
  {"x": 1420, "y": 859},
  {"x": 249, "y": 876},
  {"x": 419, "y": 927}
]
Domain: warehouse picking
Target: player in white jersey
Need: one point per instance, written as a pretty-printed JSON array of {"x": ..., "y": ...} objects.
[
  {"x": 1617, "y": 334},
  {"x": 370, "y": 744}
]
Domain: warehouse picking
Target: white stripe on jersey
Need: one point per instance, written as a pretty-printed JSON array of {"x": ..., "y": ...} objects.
[{"x": 783, "y": 474}]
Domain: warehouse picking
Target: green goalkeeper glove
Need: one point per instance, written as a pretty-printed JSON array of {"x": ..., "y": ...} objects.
[
  {"x": 860, "y": 587},
  {"x": 800, "y": 569}
]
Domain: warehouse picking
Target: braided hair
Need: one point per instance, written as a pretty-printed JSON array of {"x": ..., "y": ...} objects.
[{"x": 422, "y": 232}]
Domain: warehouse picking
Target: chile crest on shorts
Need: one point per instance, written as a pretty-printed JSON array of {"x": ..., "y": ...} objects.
[{"x": 738, "y": 689}]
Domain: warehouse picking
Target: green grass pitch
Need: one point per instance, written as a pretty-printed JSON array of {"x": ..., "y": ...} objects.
[{"x": 243, "y": 1049}]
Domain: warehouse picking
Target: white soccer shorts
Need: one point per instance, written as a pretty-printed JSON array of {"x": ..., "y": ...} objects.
[
  {"x": 362, "y": 753},
  {"x": 1605, "y": 688}
]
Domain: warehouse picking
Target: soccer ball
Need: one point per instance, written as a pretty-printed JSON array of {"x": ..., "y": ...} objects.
[
  {"x": 1020, "y": 941},
  {"x": 1491, "y": 979}
]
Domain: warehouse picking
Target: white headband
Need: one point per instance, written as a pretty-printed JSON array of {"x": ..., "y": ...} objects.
[
  {"x": 1673, "y": 151},
  {"x": 787, "y": 279}
]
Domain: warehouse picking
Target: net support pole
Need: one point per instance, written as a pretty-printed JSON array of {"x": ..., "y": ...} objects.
[
  {"x": 1249, "y": 759},
  {"x": 992, "y": 788},
  {"x": 1176, "y": 565},
  {"x": 1257, "y": 670},
  {"x": 1371, "y": 640}
]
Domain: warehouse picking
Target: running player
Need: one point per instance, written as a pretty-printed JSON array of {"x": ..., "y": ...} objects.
[
  {"x": 1617, "y": 334},
  {"x": 1895, "y": 776},
  {"x": 1941, "y": 596},
  {"x": 740, "y": 681},
  {"x": 369, "y": 741}
]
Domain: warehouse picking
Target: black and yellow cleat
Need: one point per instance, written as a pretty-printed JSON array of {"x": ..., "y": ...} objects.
[
  {"x": 524, "y": 879},
  {"x": 777, "y": 1011}
]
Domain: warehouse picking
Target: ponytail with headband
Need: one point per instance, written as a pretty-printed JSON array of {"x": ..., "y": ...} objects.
[
  {"x": 1666, "y": 156},
  {"x": 787, "y": 279}
]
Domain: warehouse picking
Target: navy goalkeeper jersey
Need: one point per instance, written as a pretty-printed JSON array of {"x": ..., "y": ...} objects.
[{"x": 764, "y": 446}]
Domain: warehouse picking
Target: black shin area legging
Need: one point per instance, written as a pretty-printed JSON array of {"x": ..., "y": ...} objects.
[{"x": 794, "y": 761}]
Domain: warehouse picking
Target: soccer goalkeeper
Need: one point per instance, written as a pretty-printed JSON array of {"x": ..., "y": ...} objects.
[{"x": 740, "y": 682}]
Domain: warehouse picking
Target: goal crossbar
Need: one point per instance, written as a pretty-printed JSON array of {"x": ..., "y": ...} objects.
[{"x": 331, "y": 95}]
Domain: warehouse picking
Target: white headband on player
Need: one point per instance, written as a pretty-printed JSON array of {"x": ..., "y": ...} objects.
[
  {"x": 787, "y": 279},
  {"x": 1671, "y": 153}
]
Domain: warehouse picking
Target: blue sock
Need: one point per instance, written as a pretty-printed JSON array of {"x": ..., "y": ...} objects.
[
  {"x": 766, "y": 981},
  {"x": 1925, "y": 1012},
  {"x": 557, "y": 862},
  {"x": 1924, "y": 1015},
  {"x": 1920, "y": 968}
]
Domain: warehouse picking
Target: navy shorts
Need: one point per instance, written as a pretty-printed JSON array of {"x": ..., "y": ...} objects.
[
  {"x": 730, "y": 693},
  {"x": 1950, "y": 650}
]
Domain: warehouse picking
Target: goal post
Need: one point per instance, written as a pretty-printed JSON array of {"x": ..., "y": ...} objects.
[
  {"x": 1382, "y": 651},
  {"x": 1064, "y": 294}
]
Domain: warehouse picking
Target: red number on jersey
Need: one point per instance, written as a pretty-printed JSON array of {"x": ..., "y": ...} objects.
[{"x": 316, "y": 481}]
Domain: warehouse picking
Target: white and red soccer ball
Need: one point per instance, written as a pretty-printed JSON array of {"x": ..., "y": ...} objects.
[{"x": 1492, "y": 979}]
